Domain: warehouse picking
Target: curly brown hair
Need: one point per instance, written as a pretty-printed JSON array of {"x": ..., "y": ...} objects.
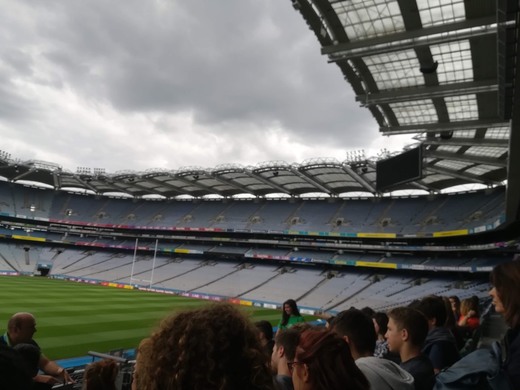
[
  {"x": 101, "y": 375},
  {"x": 211, "y": 348}
]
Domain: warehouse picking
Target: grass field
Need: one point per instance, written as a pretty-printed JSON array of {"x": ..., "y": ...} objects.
[{"x": 74, "y": 318}]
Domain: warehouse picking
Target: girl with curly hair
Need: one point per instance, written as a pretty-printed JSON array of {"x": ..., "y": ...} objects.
[
  {"x": 211, "y": 348},
  {"x": 101, "y": 375}
]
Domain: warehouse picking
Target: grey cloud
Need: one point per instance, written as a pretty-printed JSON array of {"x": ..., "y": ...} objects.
[
  {"x": 232, "y": 64},
  {"x": 211, "y": 59}
]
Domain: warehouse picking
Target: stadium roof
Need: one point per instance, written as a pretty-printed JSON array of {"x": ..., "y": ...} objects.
[
  {"x": 444, "y": 70},
  {"x": 441, "y": 69}
]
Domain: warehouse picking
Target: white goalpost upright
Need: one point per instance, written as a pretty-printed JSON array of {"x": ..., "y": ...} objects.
[
  {"x": 149, "y": 281},
  {"x": 153, "y": 264}
]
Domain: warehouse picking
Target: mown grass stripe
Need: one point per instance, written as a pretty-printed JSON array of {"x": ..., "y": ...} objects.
[{"x": 73, "y": 318}]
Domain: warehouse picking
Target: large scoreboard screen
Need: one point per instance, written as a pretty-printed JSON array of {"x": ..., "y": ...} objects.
[{"x": 400, "y": 169}]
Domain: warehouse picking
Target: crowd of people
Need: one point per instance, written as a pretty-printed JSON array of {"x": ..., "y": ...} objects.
[{"x": 219, "y": 347}]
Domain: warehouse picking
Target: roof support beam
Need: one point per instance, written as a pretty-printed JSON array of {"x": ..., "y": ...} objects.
[
  {"x": 412, "y": 39},
  {"x": 128, "y": 189},
  {"x": 195, "y": 183},
  {"x": 231, "y": 183},
  {"x": 448, "y": 126},
  {"x": 461, "y": 175},
  {"x": 427, "y": 92},
  {"x": 311, "y": 181},
  {"x": 85, "y": 184},
  {"x": 359, "y": 179},
  {"x": 160, "y": 183},
  {"x": 495, "y": 162},
  {"x": 56, "y": 178},
  {"x": 513, "y": 171},
  {"x": 489, "y": 142},
  {"x": 268, "y": 182},
  {"x": 22, "y": 175},
  {"x": 420, "y": 186}
]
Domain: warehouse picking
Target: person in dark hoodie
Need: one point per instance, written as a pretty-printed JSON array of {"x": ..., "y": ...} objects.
[
  {"x": 406, "y": 331},
  {"x": 440, "y": 345},
  {"x": 505, "y": 279}
]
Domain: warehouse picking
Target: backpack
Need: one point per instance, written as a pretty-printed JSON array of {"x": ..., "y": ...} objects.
[{"x": 479, "y": 370}]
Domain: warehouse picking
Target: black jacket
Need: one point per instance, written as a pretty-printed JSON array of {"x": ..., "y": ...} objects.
[{"x": 512, "y": 356}]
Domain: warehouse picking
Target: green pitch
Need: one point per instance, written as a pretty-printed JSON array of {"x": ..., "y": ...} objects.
[{"x": 74, "y": 318}]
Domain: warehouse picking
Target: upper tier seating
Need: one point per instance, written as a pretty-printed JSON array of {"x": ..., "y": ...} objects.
[{"x": 424, "y": 214}]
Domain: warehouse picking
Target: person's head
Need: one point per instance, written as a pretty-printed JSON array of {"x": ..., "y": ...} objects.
[
  {"x": 265, "y": 331},
  {"x": 451, "y": 321},
  {"x": 101, "y": 375},
  {"x": 505, "y": 279},
  {"x": 13, "y": 373},
  {"x": 358, "y": 330},
  {"x": 468, "y": 305},
  {"x": 455, "y": 304},
  {"x": 289, "y": 308},
  {"x": 368, "y": 311},
  {"x": 21, "y": 328},
  {"x": 284, "y": 348},
  {"x": 31, "y": 357},
  {"x": 380, "y": 321},
  {"x": 406, "y": 325},
  {"x": 214, "y": 347},
  {"x": 475, "y": 301},
  {"x": 434, "y": 310},
  {"x": 323, "y": 362},
  {"x": 329, "y": 322},
  {"x": 144, "y": 349}
]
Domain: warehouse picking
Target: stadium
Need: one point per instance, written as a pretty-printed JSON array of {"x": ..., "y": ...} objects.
[{"x": 119, "y": 250}]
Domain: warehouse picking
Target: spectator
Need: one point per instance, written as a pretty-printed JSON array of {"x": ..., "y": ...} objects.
[
  {"x": 380, "y": 321},
  {"x": 358, "y": 331},
  {"x": 323, "y": 362},
  {"x": 455, "y": 306},
  {"x": 101, "y": 375},
  {"x": 210, "y": 348},
  {"x": 407, "y": 330},
  {"x": 265, "y": 335},
  {"x": 440, "y": 345},
  {"x": 505, "y": 279},
  {"x": 451, "y": 324},
  {"x": 31, "y": 357},
  {"x": 144, "y": 349},
  {"x": 283, "y": 352},
  {"x": 329, "y": 320},
  {"x": 368, "y": 311},
  {"x": 290, "y": 315},
  {"x": 13, "y": 373},
  {"x": 469, "y": 317},
  {"x": 20, "y": 329}
]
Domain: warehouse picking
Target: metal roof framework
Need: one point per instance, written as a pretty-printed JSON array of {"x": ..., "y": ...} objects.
[
  {"x": 441, "y": 69},
  {"x": 320, "y": 175}
]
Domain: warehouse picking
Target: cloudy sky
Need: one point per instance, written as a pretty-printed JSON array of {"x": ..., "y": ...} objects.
[{"x": 133, "y": 85}]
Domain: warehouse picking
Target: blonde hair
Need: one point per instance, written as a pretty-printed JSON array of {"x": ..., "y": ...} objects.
[{"x": 467, "y": 305}]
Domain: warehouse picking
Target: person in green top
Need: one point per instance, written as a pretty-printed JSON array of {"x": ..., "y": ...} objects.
[{"x": 290, "y": 315}]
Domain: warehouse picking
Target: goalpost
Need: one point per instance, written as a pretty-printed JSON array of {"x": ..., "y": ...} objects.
[{"x": 149, "y": 281}]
